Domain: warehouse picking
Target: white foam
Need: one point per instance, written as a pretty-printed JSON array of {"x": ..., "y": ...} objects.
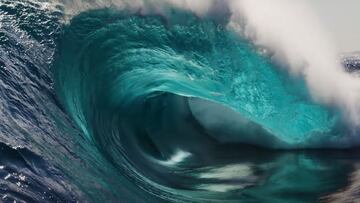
[{"x": 295, "y": 35}]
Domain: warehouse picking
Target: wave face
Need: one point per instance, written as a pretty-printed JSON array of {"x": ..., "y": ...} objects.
[
  {"x": 147, "y": 91},
  {"x": 112, "y": 66},
  {"x": 119, "y": 105}
]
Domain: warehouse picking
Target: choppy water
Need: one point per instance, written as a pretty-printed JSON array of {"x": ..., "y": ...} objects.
[{"x": 117, "y": 105}]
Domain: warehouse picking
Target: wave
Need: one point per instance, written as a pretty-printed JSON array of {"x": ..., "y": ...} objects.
[
  {"x": 147, "y": 91},
  {"x": 283, "y": 37},
  {"x": 132, "y": 101},
  {"x": 111, "y": 65}
]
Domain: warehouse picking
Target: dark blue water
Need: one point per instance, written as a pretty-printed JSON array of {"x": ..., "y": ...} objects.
[{"x": 117, "y": 106}]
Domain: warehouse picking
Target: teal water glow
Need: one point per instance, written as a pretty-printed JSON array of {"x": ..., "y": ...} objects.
[
  {"x": 109, "y": 61},
  {"x": 162, "y": 100},
  {"x": 147, "y": 91}
]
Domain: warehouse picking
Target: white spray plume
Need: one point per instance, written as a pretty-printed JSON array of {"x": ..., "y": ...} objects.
[
  {"x": 294, "y": 33},
  {"x": 288, "y": 28}
]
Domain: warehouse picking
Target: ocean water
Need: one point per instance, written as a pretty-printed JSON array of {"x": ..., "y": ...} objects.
[{"x": 107, "y": 103}]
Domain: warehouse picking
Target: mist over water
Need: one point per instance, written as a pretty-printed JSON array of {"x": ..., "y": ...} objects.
[
  {"x": 174, "y": 101},
  {"x": 296, "y": 37}
]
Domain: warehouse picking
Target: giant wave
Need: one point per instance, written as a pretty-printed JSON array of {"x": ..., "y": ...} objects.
[
  {"x": 171, "y": 103},
  {"x": 111, "y": 66},
  {"x": 147, "y": 91}
]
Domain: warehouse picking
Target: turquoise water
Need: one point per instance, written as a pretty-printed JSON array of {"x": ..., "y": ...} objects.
[
  {"x": 157, "y": 96},
  {"x": 111, "y": 62}
]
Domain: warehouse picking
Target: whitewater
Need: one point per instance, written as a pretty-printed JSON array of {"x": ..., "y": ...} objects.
[{"x": 174, "y": 101}]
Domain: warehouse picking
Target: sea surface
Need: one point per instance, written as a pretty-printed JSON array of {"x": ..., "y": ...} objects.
[{"x": 109, "y": 104}]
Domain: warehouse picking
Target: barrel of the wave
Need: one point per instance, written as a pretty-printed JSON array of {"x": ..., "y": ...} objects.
[{"x": 126, "y": 79}]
